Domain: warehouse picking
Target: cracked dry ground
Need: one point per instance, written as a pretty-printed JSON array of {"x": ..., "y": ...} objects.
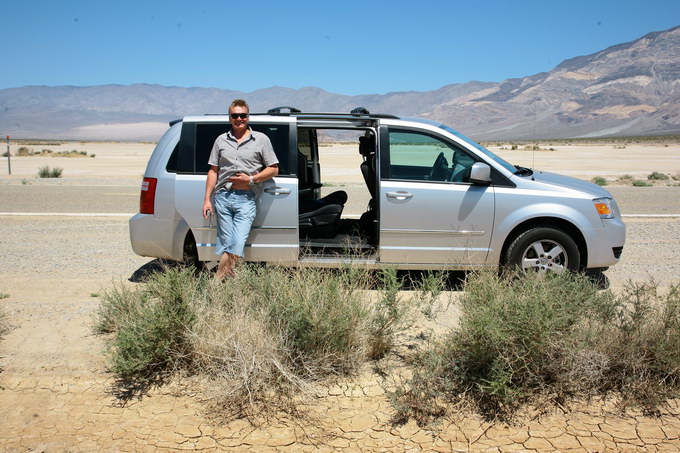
[
  {"x": 55, "y": 392},
  {"x": 56, "y": 397}
]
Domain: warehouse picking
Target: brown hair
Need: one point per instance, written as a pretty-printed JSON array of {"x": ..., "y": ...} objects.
[{"x": 239, "y": 103}]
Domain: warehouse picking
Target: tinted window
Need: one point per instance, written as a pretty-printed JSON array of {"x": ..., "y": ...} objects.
[
  {"x": 197, "y": 140},
  {"x": 171, "y": 167},
  {"x": 421, "y": 157}
]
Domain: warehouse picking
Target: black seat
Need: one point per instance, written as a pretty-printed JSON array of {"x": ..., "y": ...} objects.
[
  {"x": 367, "y": 150},
  {"x": 368, "y": 220},
  {"x": 307, "y": 186},
  {"x": 322, "y": 222},
  {"x": 318, "y": 218}
]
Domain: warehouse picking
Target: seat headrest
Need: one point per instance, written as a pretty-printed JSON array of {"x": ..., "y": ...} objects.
[{"x": 366, "y": 146}]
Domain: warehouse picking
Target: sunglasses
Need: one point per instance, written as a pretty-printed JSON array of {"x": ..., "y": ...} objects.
[{"x": 238, "y": 115}]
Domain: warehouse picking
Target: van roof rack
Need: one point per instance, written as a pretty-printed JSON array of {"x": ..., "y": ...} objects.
[
  {"x": 355, "y": 112},
  {"x": 278, "y": 110}
]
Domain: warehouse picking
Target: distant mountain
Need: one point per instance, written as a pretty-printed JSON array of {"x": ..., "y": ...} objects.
[{"x": 627, "y": 89}]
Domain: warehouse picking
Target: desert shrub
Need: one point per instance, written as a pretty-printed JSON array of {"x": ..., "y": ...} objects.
[
  {"x": 513, "y": 147},
  {"x": 4, "y": 324},
  {"x": 23, "y": 151},
  {"x": 47, "y": 172},
  {"x": 600, "y": 180},
  {"x": 150, "y": 325},
  {"x": 257, "y": 337},
  {"x": 640, "y": 183},
  {"x": 626, "y": 177},
  {"x": 551, "y": 336},
  {"x": 657, "y": 176}
]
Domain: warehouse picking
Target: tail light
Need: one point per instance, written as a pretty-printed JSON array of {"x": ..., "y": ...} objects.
[{"x": 147, "y": 196}]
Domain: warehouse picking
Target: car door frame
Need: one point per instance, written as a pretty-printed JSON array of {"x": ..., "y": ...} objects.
[
  {"x": 462, "y": 245},
  {"x": 274, "y": 234}
]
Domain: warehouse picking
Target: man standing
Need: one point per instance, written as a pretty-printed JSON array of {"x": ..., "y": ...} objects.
[{"x": 241, "y": 159}]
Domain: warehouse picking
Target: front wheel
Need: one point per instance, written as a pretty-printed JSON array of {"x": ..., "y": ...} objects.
[{"x": 543, "y": 249}]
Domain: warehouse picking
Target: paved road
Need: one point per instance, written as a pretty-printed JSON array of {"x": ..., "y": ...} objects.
[{"x": 125, "y": 198}]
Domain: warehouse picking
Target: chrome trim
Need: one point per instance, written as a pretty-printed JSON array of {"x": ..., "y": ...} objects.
[
  {"x": 273, "y": 227},
  {"x": 445, "y": 249},
  {"x": 255, "y": 246},
  {"x": 453, "y": 233}
]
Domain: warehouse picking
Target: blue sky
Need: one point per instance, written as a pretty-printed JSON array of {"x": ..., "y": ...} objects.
[{"x": 348, "y": 47}]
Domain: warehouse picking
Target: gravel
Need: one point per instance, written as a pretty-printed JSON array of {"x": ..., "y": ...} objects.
[{"x": 99, "y": 247}]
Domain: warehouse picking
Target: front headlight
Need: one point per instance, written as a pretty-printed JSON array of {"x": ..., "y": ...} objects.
[{"x": 604, "y": 207}]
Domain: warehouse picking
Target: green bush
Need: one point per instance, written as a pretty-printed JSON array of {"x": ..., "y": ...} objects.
[
  {"x": 4, "y": 325},
  {"x": 626, "y": 177},
  {"x": 23, "y": 151},
  {"x": 256, "y": 337},
  {"x": 150, "y": 325},
  {"x": 600, "y": 180},
  {"x": 639, "y": 183},
  {"x": 657, "y": 176},
  {"x": 550, "y": 336},
  {"x": 47, "y": 172}
]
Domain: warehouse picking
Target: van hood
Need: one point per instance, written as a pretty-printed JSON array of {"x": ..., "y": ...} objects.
[{"x": 567, "y": 182}]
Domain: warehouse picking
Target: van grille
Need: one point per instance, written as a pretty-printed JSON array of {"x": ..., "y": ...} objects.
[{"x": 617, "y": 252}]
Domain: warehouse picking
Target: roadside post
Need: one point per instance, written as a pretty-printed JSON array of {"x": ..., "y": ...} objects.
[{"x": 9, "y": 162}]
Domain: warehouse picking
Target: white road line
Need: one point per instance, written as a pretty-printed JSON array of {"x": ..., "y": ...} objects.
[
  {"x": 128, "y": 214},
  {"x": 651, "y": 215},
  {"x": 67, "y": 214}
]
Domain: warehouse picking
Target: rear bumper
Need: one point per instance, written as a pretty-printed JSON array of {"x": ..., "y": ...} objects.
[{"x": 149, "y": 237}]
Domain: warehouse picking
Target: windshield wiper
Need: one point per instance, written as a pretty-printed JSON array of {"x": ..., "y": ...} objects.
[{"x": 523, "y": 171}]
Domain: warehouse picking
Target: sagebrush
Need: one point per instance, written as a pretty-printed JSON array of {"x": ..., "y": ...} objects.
[
  {"x": 548, "y": 337},
  {"x": 258, "y": 338}
]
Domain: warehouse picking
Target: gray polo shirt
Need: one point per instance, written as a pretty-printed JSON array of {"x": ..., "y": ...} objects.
[{"x": 250, "y": 156}]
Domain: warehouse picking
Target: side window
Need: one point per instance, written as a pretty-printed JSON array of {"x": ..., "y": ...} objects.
[
  {"x": 171, "y": 167},
  {"x": 197, "y": 141},
  {"x": 416, "y": 156}
]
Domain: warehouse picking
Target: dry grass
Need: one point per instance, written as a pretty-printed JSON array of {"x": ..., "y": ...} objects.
[
  {"x": 537, "y": 339},
  {"x": 257, "y": 341}
]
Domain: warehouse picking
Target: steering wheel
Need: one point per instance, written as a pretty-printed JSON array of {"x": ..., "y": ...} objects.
[{"x": 438, "y": 172}]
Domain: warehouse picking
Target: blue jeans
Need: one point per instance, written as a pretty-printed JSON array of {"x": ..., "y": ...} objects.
[{"x": 236, "y": 210}]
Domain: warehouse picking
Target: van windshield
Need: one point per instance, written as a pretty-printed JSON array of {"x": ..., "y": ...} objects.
[{"x": 508, "y": 166}]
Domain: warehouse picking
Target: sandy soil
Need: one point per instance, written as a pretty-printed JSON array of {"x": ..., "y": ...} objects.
[{"x": 55, "y": 392}]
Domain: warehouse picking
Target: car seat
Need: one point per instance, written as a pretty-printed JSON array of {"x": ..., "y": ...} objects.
[
  {"x": 367, "y": 222},
  {"x": 318, "y": 218},
  {"x": 306, "y": 188}
]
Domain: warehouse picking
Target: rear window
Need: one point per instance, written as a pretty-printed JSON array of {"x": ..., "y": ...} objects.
[{"x": 197, "y": 140}]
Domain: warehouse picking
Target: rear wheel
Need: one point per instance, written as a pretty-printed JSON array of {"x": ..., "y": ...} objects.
[
  {"x": 190, "y": 254},
  {"x": 543, "y": 249}
]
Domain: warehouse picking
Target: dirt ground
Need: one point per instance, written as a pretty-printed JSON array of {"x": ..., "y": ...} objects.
[{"x": 64, "y": 241}]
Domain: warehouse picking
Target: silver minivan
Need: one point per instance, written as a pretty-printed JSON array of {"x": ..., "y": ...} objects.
[{"x": 434, "y": 199}]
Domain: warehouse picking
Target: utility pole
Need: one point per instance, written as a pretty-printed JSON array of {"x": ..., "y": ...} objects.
[{"x": 9, "y": 162}]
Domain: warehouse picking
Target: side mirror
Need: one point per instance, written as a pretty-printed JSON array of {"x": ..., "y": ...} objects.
[{"x": 480, "y": 173}]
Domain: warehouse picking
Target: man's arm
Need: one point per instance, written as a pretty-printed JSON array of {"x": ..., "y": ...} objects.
[
  {"x": 241, "y": 181},
  {"x": 266, "y": 174},
  {"x": 209, "y": 187}
]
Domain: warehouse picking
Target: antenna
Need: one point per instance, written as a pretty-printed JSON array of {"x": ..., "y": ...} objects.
[{"x": 533, "y": 148}]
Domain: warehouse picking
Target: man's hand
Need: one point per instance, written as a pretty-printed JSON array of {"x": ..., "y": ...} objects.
[
  {"x": 207, "y": 209},
  {"x": 240, "y": 181}
]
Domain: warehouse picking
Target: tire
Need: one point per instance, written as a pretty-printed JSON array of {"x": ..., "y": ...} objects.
[
  {"x": 543, "y": 249},
  {"x": 190, "y": 255}
]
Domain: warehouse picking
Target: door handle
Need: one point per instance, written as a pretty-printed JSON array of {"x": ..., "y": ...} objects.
[
  {"x": 400, "y": 195},
  {"x": 277, "y": 190}
]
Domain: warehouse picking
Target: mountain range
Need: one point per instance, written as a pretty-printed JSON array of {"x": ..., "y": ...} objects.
[{"x": 627, "y": 89}]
